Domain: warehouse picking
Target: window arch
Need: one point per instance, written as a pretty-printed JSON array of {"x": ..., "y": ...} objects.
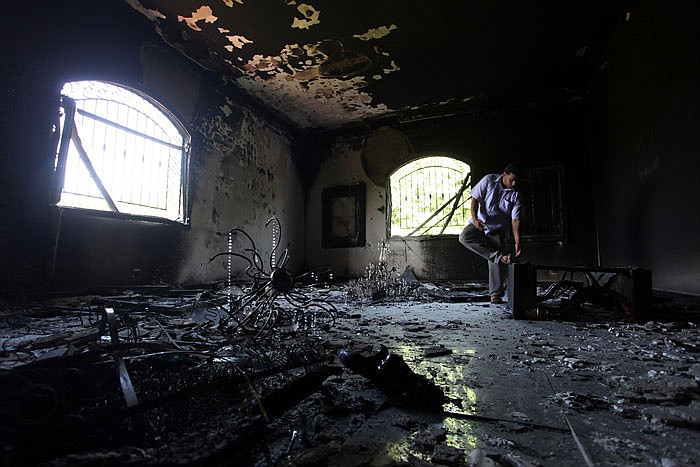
[
  {"x": 120, "y": 151},
  {"x": 429, "y": 196}
]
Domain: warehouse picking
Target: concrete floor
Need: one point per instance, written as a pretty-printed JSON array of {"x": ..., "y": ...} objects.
[
  {"x": 522, "y": 393},
  {"x": 628, "y": 391}
]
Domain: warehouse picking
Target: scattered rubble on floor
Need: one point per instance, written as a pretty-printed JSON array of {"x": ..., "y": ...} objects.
[{"x": 158, "y": 383}]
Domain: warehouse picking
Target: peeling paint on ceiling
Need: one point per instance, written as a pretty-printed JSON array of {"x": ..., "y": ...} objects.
[
  {"x": 203, "y": 13},
  {"x": 336, "y": 66},
  {"x": 332, "y": 99},
  {"x": 309, "y": 17},
  {"x": 326, "y": 102},
  {"x": 376, "y": 33},
  {"x": 237, "y": 42}
]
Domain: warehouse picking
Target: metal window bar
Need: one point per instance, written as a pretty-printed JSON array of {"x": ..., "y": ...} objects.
[
  {"x": 141, "y": 184},
  {"x": 421, "y": 196},
  {"x": 130, "y": 130},
  {"x": 456, "y": 204},
  {"x": 91, "y": 170},
  {"x": 134, "y": 162},
  {"x": 61, "y": 159},
  {"x": 456, "y": 197}
]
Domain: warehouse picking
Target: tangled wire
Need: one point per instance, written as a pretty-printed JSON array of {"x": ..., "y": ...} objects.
[{"x": 275, "y": 298}]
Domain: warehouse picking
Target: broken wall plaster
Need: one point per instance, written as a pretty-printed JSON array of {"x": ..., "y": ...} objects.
[
  {"x": 232, "y": 116},
  {"x": 216, "y": 133},
  {"x": 241, "y": 184}
]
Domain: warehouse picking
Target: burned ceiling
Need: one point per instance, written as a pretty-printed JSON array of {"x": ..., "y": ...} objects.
[{"x": 328, "y": 65}]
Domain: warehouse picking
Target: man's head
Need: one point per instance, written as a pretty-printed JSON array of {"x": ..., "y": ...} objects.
[{"x": 511, "y": 175}]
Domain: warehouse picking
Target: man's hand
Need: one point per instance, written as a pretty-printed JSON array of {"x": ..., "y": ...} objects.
[
  {"x": 516, "y": 236},
  {"x": 475, "y": 220}
]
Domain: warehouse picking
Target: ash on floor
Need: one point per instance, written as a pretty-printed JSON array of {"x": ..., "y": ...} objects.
[{"x": 171, "y": 389}]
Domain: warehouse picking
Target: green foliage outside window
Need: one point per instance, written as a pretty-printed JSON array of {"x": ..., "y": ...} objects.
[{"x": 430, "y": 196}]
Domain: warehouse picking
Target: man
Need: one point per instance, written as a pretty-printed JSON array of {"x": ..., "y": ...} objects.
[{"x": 496, "y": 207}]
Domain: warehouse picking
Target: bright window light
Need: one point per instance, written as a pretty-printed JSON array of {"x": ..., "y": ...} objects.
[
  {"x": 430, "y": 196},
  {"x": 120, "y": 151}
]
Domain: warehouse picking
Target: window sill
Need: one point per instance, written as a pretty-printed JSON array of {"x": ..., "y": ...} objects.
[
  {"x": 78, "y": 213},
  {"x": 424, "y": 238}
]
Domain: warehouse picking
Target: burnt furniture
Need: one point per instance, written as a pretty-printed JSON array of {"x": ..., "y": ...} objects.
[{"x": 626, "y": 290}]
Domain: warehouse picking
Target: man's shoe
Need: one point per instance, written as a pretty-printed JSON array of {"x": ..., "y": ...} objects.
[
  {"x": 496, "y": 300},
  {"x": 392, "y": 375},
  {"x": 365, "y": 366}
]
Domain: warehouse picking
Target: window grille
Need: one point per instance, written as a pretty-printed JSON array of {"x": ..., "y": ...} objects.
[
  {"x": 121, "y": 152},
  {"x": 429, "y": 196},
  {"x": 542, "y": 192}
]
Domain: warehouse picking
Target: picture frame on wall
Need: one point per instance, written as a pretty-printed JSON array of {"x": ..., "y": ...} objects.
[{"x": 344, "y": 216}]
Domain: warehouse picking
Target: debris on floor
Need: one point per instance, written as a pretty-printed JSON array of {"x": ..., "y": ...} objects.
[{"x": 157, "y": 382}]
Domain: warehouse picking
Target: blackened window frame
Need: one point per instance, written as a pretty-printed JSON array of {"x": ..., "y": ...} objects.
[{"x": 64, "y": 136}]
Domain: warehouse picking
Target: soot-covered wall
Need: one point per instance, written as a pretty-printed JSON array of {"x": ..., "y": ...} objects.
[
  {"x": 533, "y": 135},
  {"x": 647, "y": 144},
  {"x": 242, "y": 167}
]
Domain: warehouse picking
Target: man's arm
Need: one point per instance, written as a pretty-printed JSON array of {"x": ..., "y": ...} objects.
[
  {"x": 475, "y": 210},
  {"x": 516, "y": 235},
  {"x": 477, "y": 193}
]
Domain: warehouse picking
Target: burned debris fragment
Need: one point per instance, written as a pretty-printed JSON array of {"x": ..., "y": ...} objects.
[
  {"x": 206, "y": 397},
  {"x": 142, "y": 374}
]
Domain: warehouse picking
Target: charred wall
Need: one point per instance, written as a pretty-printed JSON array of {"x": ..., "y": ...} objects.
[
  {"x": 647, "y": 147},
  {"x": 535, "y": 135},
  {"x": 242, "y": 168}
]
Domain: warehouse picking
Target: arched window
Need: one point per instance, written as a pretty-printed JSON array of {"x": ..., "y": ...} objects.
[
  {"x": 429, "y": 196},
  {"x": 120, "y": 151}
]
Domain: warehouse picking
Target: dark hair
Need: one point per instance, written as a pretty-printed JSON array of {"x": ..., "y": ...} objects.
[{"x": 513, "y": 168}]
